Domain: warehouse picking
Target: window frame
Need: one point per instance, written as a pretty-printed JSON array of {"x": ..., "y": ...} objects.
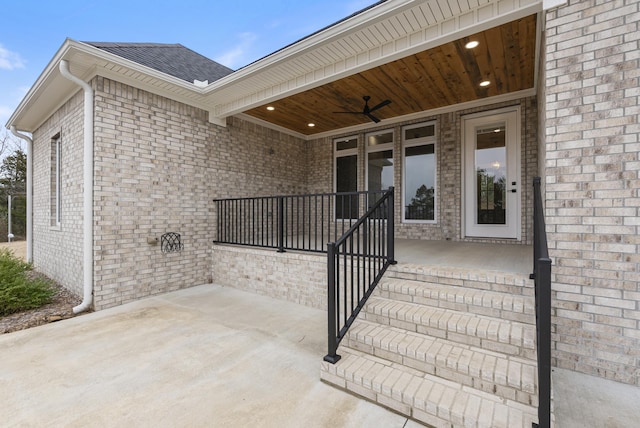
[
  {"x": 379, "y": 148},
  {"x": 417, "y": 142},
  {"x": 56, "y": 183},
  {"x": 340, "y": 154}
]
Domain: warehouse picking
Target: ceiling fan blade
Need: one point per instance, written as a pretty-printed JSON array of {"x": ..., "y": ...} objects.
[
  {"x": 372, "y": 117},
  {"x": 382, "y": 104},
  {"x": 347, "y": 112}
]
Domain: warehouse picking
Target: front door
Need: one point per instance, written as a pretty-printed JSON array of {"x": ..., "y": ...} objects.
[{"x": 492, "y": 174}]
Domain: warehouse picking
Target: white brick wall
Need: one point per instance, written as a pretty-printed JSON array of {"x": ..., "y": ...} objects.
[
  {"x": 159, "y": 164},
  {"x": 592, "y": 180},
  {"x": 57, "y": 252},
  {"x": 273, "y": 274}
]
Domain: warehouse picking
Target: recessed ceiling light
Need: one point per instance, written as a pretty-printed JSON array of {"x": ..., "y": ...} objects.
[
  {"x": 485, "y": 83},
  {"x": 311, "y": 125},
  {"x": 496, "y": 130},
  {"x": 271, "y": 108},
  {"x": 472, "y": 44}
]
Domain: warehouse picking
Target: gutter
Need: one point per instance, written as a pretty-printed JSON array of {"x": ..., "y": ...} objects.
[
  {"x": 87, "y": 248},
  {"x": 29, "y": 141}
]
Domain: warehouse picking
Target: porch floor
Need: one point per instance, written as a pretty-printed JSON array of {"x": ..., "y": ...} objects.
[{"x": 499, "y": 257}]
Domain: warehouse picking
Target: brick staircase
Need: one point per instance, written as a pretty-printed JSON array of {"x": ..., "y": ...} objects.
[{"x": 448, "y": 347}]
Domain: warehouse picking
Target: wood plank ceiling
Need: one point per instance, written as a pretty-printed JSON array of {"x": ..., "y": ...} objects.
[{"x": 444, "y": 75}]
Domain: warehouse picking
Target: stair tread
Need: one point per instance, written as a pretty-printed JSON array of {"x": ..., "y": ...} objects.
[
  {"x": 470, "y": 365},
  {"x": 425, "y": 397}
]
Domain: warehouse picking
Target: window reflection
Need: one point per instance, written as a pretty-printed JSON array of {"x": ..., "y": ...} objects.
[
  {"x": 380, "y": 170},
  {"x": 420, "y": 167}
]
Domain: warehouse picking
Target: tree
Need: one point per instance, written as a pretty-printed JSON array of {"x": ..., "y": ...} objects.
[
  {"x": 13, "y": 171},
  {"x": 421, "y": 206},
  {"x": 13, "y": 181}
]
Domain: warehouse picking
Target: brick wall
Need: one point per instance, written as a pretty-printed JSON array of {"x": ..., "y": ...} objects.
[
  {"x": 449, "y": 164},
  {"x": 158, "y": 166},
  {"x": 273, "y": 274},
  {"x": 57, "y": 251},
  {"x": 592, "y": 185}
]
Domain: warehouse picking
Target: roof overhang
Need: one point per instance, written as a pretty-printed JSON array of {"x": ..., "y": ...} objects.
[{"x": 389, "y": 31}]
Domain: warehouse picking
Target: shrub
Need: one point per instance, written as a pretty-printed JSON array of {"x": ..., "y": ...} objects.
[{"x": 18, "y": 290}]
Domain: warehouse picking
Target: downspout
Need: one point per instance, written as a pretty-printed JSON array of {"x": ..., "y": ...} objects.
[
  {"x": 87, "y": 248},
  {"x": 29, "y": 141}
]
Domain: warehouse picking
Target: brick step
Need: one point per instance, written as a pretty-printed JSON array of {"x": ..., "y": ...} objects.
[
  {"x": 504, "y": 282},
  {"x": 471, "y": 300},
  {"x": 507, "y": 377},
  {"x": 426, "y": 398},
  {"x": 493, "y": 334}
]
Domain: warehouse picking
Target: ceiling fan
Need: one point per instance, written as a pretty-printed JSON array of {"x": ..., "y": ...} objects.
[{"x": 367, "y": 110}]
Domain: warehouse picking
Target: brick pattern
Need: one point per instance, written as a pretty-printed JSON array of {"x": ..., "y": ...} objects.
[
  {"x": 57, "y": 251},
  {"x": 592, "y": 64},
  {"x": 273, "y": 274},
  {"x": 158, "y": 165},
  {"x": 450, "y": 347},
  {"x": 449, "y": 148}
]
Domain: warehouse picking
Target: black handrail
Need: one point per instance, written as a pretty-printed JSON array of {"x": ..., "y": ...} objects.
[
  {"x": 355, "y": 264},
  {"x": 542, "y": 280},
  {"x": 290, "y": 222}
]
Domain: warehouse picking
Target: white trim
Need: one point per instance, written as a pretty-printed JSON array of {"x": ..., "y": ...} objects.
[
  {"x": 341, "y": 154},
  {"x": 317, "y": 73},
  {"x": 58, "y": 185},
  {"x": 270, "y": 125},
  {"x": 515, "y": 172},
  {"x": 428, "y": 113},
  {"x": 550, "y": 4},
  {"x": 378, "y": 148},
  {"x": 417, "y": 143}
]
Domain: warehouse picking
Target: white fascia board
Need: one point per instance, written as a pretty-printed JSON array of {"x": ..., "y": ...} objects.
[
  {"x": 92, "y": 58},
  {"x": 550, "y": 4},
  {"x": 328, "y": 35},
  {"x": 487, "y": 16}
]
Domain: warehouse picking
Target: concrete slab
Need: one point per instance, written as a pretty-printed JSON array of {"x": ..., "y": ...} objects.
[
  {"x": 205, "y": 356},
  {"x": 500, "y": 257},
  {"x": 587, "y": 401}
]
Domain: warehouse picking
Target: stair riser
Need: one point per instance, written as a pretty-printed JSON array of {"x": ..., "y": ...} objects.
[
  {"x": 524, "y": 349},
  {"x": 521, "y": 390},
  {"x": 517, "y": 285},
  {"x": 519, "y": 314}
]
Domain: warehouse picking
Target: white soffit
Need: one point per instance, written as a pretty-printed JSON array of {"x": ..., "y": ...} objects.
[{"x": 387, "y": 32}]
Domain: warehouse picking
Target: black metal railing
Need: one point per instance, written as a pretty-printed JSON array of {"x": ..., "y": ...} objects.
[
  {"x": 542, "y": 279},
  {"x": 290, "y": 222},
  {"x": 356, "y": 262}
]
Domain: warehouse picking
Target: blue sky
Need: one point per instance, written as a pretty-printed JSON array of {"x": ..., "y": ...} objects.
[{"x": 234, "y": 33}]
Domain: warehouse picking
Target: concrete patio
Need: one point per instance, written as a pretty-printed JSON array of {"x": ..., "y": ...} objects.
[{"x": 216, "y": 357}]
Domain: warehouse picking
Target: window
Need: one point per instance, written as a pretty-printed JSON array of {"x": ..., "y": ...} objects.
[
  {"x": 56, "y": 156},
  {"x": 419, "y": 156},
  {"x": 379, "y": 161},
  {"x": 346, "y": 178}
]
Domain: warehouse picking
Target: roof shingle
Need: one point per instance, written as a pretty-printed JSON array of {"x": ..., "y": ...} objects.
[{"x": 173, "y": 59}]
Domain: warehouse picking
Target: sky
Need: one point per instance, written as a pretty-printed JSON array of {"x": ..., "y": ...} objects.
[{"x": 231, "y": 32}]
